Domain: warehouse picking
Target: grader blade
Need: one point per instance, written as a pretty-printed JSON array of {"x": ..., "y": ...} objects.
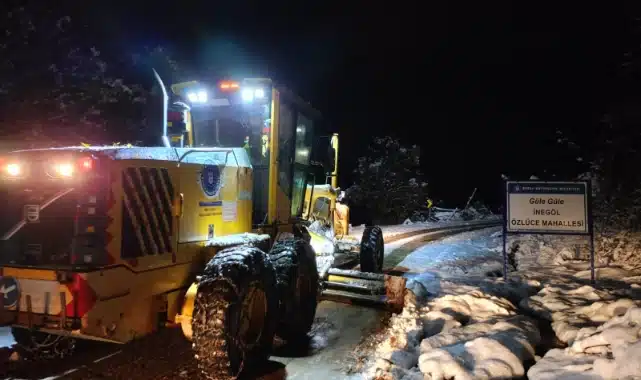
[{"x": 367, "y": 289}]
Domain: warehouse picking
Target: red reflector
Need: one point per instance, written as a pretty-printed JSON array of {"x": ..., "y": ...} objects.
[
  {"x": 83, "y": 297},
  {"x": 175, "y": 116},
  {"x": 86, "y": 163}
]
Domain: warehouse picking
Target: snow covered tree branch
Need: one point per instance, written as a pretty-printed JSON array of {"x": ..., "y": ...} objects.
[{"x": 388, "y": 181}]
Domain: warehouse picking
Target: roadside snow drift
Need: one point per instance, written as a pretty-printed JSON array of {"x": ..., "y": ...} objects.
[
  {"x": 460, "y": 334},
  {"x": 460, "y": 320},
  {"x": 602, "y": 331}
]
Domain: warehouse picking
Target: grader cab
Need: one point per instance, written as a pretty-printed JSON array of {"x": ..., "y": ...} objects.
[{"x": 208, "y": 230}]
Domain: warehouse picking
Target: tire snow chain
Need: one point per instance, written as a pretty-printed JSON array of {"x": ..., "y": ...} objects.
[
  {"x": 234, "y": 340},
  {"x": 39, "y": 351}
]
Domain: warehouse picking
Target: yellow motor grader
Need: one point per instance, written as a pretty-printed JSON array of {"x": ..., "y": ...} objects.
[{"x": 208, "y": 230}]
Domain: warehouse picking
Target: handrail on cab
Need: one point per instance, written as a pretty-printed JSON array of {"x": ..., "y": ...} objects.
[{"x": 205, "y": 150}]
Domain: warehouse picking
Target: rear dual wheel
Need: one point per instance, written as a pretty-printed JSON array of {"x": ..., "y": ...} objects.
[
  {"x": 297, "y": 278},
  {"x": 245, "y": 297}
]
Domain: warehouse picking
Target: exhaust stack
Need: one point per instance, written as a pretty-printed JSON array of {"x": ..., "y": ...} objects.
[{"x": 165, "y": 101}]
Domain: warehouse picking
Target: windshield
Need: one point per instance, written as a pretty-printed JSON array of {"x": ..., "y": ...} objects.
[
  {"x": 234, "y": 126},
  {"x": 219, "y": 132}
]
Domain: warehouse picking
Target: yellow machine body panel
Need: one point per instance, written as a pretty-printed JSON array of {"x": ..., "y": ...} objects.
[
  {"x": 153, "y": 252},
  {"x": 320, "y": 202},
  {"x": 155, "y": 214}
]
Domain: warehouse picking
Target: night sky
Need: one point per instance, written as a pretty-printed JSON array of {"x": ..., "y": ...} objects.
[{"x": 481, "y": 88}]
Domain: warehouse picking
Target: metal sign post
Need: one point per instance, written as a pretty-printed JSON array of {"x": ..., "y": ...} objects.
[
  {"x": 540, "y": 207},
  {"x": 591, "y": 231},
  {"x": 505, "y": 258}
]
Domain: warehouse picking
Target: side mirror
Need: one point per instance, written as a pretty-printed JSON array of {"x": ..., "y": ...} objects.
[
  {"x": 177, "y": 118},
  {"x": 329, "y": 164}
]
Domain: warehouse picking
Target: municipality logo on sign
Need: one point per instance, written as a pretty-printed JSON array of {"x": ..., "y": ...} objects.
[
  {"x": 517, "y": 188},
  {"x": 9, "y": 292},
  {"x": 210, "y": 180}
]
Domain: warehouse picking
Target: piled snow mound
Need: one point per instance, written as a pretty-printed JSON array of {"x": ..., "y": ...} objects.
[
  {"x": 601, "y": 329},
  {"x": 543, "y": 250},
  {"x": 610, "y": 351},
  {"x": 621, "y": 249},
  {"x": 466, "y": 334},
  {"x": 575, "y": 311},
  {"x": 322, "y": 229}
]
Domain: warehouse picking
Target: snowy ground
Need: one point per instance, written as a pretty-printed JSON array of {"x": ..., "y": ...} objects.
[
  {"x": 338, "y": 329},
  {"x": 462, "y": 321},
  {"x": 392, "y": 232},
  {"x": 389, "y": 233}
]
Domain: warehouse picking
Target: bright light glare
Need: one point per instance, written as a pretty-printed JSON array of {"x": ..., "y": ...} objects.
[
  {"x": 259, "y": 93},
  {"x": 229, "y": 86},
  {"x": 248, "y": 95},
  {"x": 197, "y": 97},
  {"x": 86, "y": 163},
  {"x": 64, "y": 170},
  {"x": 14, "y": 170}
]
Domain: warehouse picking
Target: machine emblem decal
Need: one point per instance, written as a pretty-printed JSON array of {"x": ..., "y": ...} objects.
[
  {"x": 9, "y": 292},
  {"x": 32, "y": 213},
  {"x": 210, "y": 180}
]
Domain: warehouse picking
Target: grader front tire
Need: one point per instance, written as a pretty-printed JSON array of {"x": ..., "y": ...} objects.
[
  {"x": 372, "y": 251},
  {"x": 235, "y": 313}
]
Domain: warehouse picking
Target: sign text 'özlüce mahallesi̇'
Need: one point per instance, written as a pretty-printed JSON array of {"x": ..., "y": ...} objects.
[{"x": 547, "y": 207}]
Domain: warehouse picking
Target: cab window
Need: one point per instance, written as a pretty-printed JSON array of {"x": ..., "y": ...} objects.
[
  {"x": 285, "y": 147},
  {"x": 303, "y": 136}
]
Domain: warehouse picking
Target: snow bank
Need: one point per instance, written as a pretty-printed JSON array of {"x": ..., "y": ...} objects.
[
  {"x": 463, "y": 333},
  {"x": 609, "y": 351},
  {"x": 622, "y": 249},
  {"x": 602, "y": 331},
  {"x": 440, "y": 215},
  {"x": 465, "y": 327}
]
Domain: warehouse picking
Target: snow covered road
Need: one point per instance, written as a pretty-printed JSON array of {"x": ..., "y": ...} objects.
[{"x": 461, "y": 253}]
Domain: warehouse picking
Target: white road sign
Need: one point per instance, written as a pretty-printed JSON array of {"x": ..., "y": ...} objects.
[{"x": 547, "y": 207}]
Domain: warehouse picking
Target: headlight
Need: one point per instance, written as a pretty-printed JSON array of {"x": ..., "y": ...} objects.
[
  {"x": 64, "y": 169},
  {"x": 73, "y": 168},
  {"x": 14, "y": 170},
  {"x": 197, "y": 97},
  {"x": 249, "y": 94}
]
